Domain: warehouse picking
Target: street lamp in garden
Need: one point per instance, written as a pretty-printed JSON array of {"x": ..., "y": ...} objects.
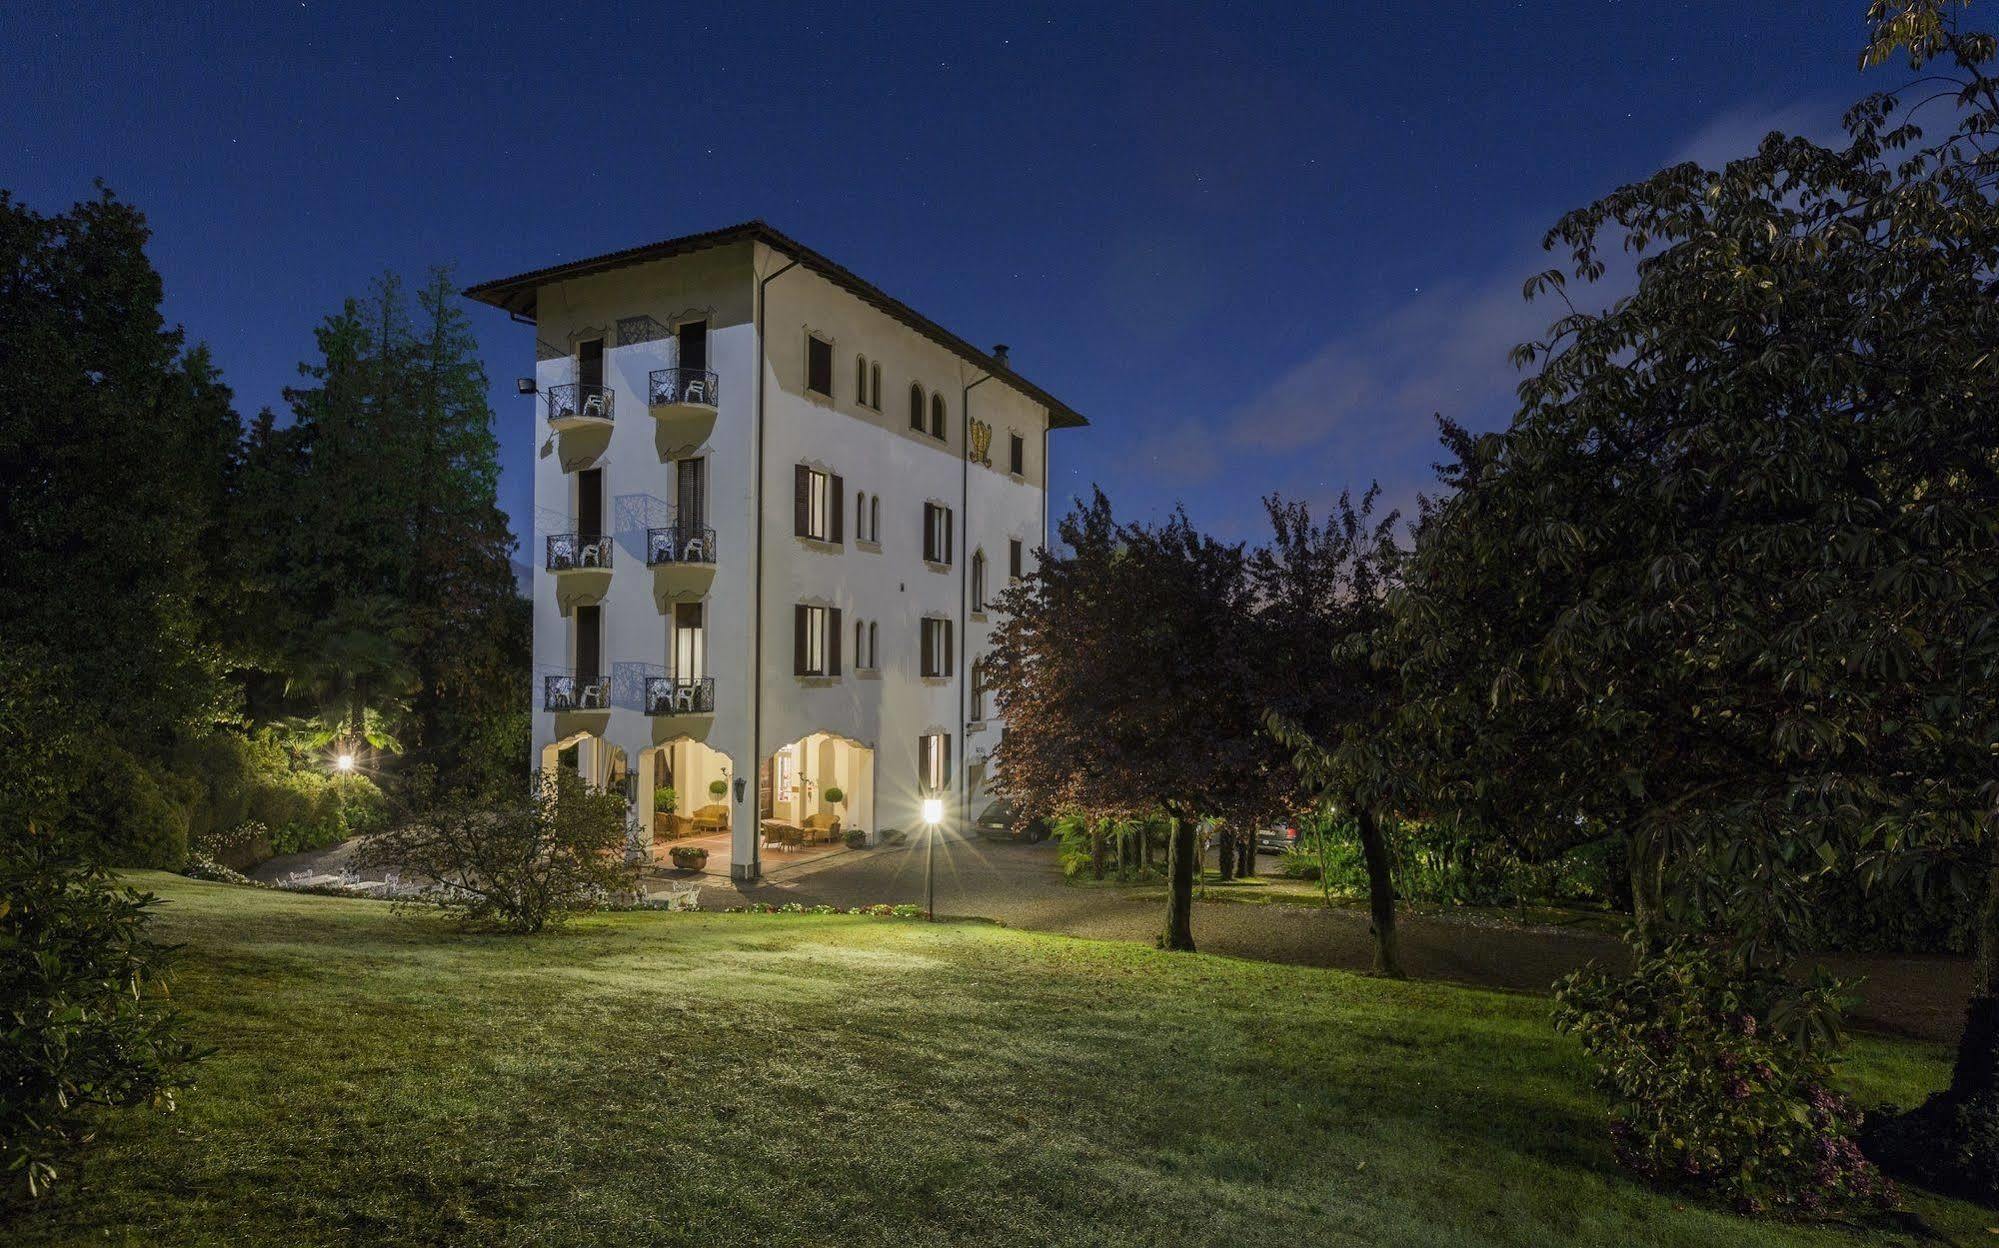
[
  {"x": 345, "y": 761},
  {"x": 933, "y": 814}
]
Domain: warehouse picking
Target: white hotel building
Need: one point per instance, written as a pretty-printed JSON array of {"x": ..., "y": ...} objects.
[{"x": 772, "y": 503}]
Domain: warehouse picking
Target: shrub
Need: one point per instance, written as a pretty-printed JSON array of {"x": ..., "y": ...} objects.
[
  {"x": 664, "y": 799},
  {"x": 856, "y": 838},
  {"x": 718, "y": 788},
  {"x": 835, "y": 795},
  {"x": 1720, "y": 1079},
  {"x": 688, "y": 857},
  {"x": 520, "y": 865},
  {"x": 127, "y": 811},
  {"x": 84, "y": 1024}
]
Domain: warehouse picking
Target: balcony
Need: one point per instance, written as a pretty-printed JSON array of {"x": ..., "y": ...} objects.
[
  {"x": 682, "y": 391},
  {"x": 579, "y": 552},
  {"x": 679, "y": 546},
  {"x": 683, "y": 402},
  {"x": 679, "y": 695},
  {"x": 576, "y": 405},
  {"x": 571, "y": 692}
]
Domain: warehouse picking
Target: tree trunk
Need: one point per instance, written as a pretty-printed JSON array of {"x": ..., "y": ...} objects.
[
  {"x": 1947, "y": 1142},
  {"x": 1245, "y": 847},
  {"x": 1380, "y": 893},
  {"x": 1976, "y": 1072},
  {"x": 1648, "y": 887},
  {"x": 1227, "y": 864},
  {"x": 1182, "y": 848}
]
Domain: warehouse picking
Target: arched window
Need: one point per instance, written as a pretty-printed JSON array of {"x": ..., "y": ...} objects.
[
  {"x": 978, "y": 583},
  {"x": 875, "y": 389},
  {"x": 875, "y": 518},
  {"x": 873, "y": 654},
  {"x": 937, "y": 417},
  {"x": 860, "y": 515},
  {"x": 861, "y": 380},
  {"x": 979, "y": 691},
  {"x": 860, "y": 655},
  {"x": 916, "y": 407}
]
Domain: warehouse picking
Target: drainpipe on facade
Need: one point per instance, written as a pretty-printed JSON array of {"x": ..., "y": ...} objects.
[
  {"x": 757, "y": 657},
  {"x": 964, "y": 610}
]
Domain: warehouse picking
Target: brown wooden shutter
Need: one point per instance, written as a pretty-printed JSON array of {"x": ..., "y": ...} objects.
[
  {"x": 950, "y": 540},
  {"x": 947, "y": 668},
  {"x": 801, "y": 502},
  {"x": 928, "y": 667},
  {"x": 929, "y": 543},
  {"x": 839, "y": 510},
  {"x": 833, "y": 642},
  {"x": 798, "y": 623}
]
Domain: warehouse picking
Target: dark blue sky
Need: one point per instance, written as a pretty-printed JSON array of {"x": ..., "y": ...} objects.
[{"x": 1256, "y": 247}]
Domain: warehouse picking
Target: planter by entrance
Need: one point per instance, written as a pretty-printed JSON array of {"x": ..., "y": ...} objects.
[{"x": 688, "y": 857}]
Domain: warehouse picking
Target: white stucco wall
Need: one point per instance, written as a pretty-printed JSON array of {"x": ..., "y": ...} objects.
[{"x": 887, "y": 584}]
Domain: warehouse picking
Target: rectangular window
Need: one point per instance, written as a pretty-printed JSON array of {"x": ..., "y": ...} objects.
[
  {"x": 808, "y": 649},
  {"x": 819, "y": 505},
  {"x": 1016, "y": 454},
  {"x": 590, "y": 365},
  {"x": 693, "y": 342},
  {"x": 1013, "y": 557},
  {"x": 691, "y": 494},
  {"x": 936, "y": 657},
  {"x": 933, "y": 752},
  {"x": 818, "y": 365},
  {"x": 589, "y": 643},
  {"x": 815, "y": 646},
  {"x": 690, "y": 641},
  {"x": 937, "y": 534}
]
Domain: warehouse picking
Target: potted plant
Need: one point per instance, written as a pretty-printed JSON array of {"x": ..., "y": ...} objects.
[
  {"x": 856, "y": 838},
  {"x": 718, "y": 789},
  {"x": 688, "y": 857},
  {"x": 835, "y": 795},
  {"x": 664, "y": 802}
]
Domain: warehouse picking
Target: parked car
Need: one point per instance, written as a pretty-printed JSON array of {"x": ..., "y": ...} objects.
[
  {"x": 1276, "y": 838},
  {"x": 1001, "y": 822}
]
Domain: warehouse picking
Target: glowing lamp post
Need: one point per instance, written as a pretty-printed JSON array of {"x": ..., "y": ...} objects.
[
  {"x": 933, "y": 814},
  {"x": 345, "y": 762}
]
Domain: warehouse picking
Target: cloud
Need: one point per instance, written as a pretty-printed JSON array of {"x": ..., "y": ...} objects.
[{"x": 1364, "y": 400}]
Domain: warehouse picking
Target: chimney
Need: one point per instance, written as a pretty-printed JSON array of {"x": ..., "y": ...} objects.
[{"x": 999, "y": 353}]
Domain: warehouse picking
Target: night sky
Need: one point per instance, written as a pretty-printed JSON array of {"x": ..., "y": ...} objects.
[{"x": 1256, "y": 250}]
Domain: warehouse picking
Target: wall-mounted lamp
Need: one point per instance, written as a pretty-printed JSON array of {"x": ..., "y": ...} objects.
[
  {"x": 524, "y": 385},
  {"x": 739, "y": 788}
]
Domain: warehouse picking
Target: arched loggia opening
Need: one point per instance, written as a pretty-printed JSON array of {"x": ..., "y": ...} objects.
[
  {"x": 683, "y": 799},
  {"x": 813, "y": 793}
]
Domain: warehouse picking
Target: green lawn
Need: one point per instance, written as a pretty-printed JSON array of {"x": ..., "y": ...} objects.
[{"x": 728, "y": 1079}]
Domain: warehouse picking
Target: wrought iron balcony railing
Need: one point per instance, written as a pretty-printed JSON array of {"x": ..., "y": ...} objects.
[
  {"x": 573, "y": 552},
  {"x": 572, "y": 692},
  {"x": 575, "y": 402},
  {"x": 680, "y": 695},
  {"x": 682, "y": 387},
  {"x": 679, "y": 544}
]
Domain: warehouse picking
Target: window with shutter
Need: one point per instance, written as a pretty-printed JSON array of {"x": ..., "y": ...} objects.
[
  {"x": 833, "y": 642},
  {"x": 1016, "y": 454},
  {"x": 817, "y": 509},
  {"x": 818, "y": 365},
  {"x": 933, "y": 752},
  {"x": 927, "y": 665},
  {"x": 809, "y": 648}
]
